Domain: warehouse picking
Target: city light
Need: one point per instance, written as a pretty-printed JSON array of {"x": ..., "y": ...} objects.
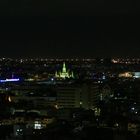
[{"x": 81, "y": 95}]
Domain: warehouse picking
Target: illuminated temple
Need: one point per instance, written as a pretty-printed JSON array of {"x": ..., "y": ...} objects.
[{"x": 64, "y": 73}]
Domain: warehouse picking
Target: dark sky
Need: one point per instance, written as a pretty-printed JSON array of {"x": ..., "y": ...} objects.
[{"x": 69, "y": 28}]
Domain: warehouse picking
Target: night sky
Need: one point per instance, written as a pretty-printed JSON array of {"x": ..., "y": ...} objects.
[{"x": 69, "y": 28}]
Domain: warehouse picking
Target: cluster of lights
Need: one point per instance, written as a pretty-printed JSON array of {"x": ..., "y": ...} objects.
[
  {"x": 125, "y": 61},
  {"x": 37, "y": 125}
]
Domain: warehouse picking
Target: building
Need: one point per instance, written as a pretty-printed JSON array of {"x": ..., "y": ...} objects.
[
  {"x": 130, "y": 75},
  {"x": 77, "y": 96},
  {"x": 126, "y": 75},
  {"x": 64, "y": 73}
]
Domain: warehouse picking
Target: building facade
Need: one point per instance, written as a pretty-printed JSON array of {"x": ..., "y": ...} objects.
[{"x": 77, "y": 96}]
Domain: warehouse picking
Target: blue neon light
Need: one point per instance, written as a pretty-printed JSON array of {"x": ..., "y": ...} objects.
[{"x": 10, "y": 80}]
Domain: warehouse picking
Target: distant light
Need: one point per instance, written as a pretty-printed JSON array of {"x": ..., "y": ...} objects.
[
  {"x": 9, "y": 99},
  {"x": 104, "y": 77},
  {"x": 116, "y": 124},
  {"x": 81, "y": 103},
  {"x": 52, "y": 79},
  {"x": 56, "y": 106},
  {"x": 30, "y": 79},
  {"x": 6, "y": 89},
  {"x": 133, "y": 108},
  {"x": 37, "y": 125},
  {"x": 19, "y": 130}
]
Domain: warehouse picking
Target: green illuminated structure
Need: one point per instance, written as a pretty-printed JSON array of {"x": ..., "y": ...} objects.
[{"x": 64, "y": 73}]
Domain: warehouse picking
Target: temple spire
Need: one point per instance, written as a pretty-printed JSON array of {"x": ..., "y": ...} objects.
[{"x": 64, "y": 68}]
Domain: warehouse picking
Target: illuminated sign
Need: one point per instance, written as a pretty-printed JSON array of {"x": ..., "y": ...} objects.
[{"x": 10, "y": 80}]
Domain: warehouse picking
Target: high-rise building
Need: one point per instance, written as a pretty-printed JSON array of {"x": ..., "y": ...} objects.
[{"x": 76, "y": 96}]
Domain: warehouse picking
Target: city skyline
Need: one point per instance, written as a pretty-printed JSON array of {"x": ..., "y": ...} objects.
[{"x": 69, "y": 70}]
